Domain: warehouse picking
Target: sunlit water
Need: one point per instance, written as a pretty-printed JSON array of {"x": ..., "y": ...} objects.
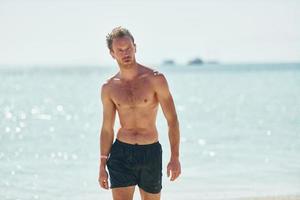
[{"x": 240, "y": 132}]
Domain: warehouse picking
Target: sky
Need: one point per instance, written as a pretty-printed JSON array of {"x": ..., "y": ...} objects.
[{"x": 65, "y": 32}]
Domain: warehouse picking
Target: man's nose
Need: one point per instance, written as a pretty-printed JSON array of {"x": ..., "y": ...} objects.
[
  {"x": 127, "y": 51},
  {"x": 125, "y": 54}
]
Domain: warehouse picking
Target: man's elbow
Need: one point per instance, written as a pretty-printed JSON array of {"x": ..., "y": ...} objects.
[
  {"x": 173, "y": 123},
  {"x": 107, "y": 131}
]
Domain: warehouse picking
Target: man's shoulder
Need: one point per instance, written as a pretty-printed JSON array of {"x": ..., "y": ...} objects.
[
  {"x": 106, "y": 85},
  {"x": 157, "y": 79},
  {"x": 153, "y": 74}
]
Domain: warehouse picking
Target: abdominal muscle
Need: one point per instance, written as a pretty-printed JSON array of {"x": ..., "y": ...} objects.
[
  {"x": 137, "y": 129},
  {"x": 137, "y": 136}
]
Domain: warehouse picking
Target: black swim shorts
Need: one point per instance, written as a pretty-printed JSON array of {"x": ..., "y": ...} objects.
[{"x": 133, "y": 164}]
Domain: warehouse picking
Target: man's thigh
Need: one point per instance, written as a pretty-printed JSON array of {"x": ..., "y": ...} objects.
[
  {"x": 149, "y": 196},
  {"x": 123, "y": 193}
]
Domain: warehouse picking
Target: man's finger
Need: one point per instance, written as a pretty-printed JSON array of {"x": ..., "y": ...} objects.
[
  {"x": 99, "y": 181},
  {"x": 175, "y": 174},
  {"x": 168, "y": 171},
  {"x": 105, "y": 184}
]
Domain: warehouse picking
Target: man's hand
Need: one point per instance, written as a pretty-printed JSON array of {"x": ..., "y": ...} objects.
[
  {"x": 103, "y": 178},
  {"x": 174, "y": 168}
]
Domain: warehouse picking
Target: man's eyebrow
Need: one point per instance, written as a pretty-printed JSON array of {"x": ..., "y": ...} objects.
[{"x": 122, "y": 48}]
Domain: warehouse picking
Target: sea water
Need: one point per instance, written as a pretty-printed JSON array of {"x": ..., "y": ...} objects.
[{"x": 239, "y": 124}]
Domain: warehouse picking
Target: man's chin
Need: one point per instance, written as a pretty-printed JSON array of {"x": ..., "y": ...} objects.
[{"x": 128, "y": 63}]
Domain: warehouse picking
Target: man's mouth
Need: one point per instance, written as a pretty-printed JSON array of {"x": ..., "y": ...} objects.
[{"x": 126, "y": 58}]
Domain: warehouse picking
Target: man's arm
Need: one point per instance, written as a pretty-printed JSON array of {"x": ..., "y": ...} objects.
[
  {"x": 107, "y": 133},
  {"x": 167, "y": 104}
]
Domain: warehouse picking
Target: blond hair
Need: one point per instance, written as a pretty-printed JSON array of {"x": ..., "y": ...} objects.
[{"x": 117, "y": 32}]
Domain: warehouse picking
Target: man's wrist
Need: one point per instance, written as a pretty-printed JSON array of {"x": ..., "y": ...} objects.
[
  {"x": 103, "y": 164},
  {"x": 175, "y": 157},
  {"x": 103, "y": 160},
  {"x": 103, "y": 157}
]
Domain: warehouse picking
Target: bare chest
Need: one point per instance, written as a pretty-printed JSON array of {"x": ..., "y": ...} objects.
[{"x": 136, "y": 94}]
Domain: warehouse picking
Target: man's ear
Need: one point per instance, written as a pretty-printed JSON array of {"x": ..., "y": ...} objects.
[{"x": 112, "y": 54}]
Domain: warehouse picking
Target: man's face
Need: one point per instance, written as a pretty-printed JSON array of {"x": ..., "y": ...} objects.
[{"x": 123, "y": 50}]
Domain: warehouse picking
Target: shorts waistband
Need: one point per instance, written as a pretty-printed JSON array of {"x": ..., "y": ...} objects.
[{"x": 137, "y": 145}]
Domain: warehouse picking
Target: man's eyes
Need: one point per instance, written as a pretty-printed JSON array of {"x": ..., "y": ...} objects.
[{"x": 120, "y": 50}]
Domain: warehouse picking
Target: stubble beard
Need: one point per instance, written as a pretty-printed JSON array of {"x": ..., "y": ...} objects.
[{"x": 127, "y": 65}]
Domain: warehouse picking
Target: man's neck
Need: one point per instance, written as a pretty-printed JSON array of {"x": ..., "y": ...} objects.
[{"x": 128, "y": 73}]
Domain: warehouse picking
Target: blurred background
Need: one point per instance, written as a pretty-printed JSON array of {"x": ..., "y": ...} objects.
[{"x": 233, "y": 68}]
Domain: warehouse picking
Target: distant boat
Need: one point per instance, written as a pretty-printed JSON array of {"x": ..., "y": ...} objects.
[
  {"x": 196, "y": 61},
  {"x": 169, "y": 62}
]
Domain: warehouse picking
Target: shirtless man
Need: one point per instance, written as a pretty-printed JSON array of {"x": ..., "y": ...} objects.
[{"x": 135, "y": 157}]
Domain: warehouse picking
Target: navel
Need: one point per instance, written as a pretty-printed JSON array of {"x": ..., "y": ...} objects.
[
  {"x": 132, "y": 107},
  {"x": 145, "y": 100}
]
